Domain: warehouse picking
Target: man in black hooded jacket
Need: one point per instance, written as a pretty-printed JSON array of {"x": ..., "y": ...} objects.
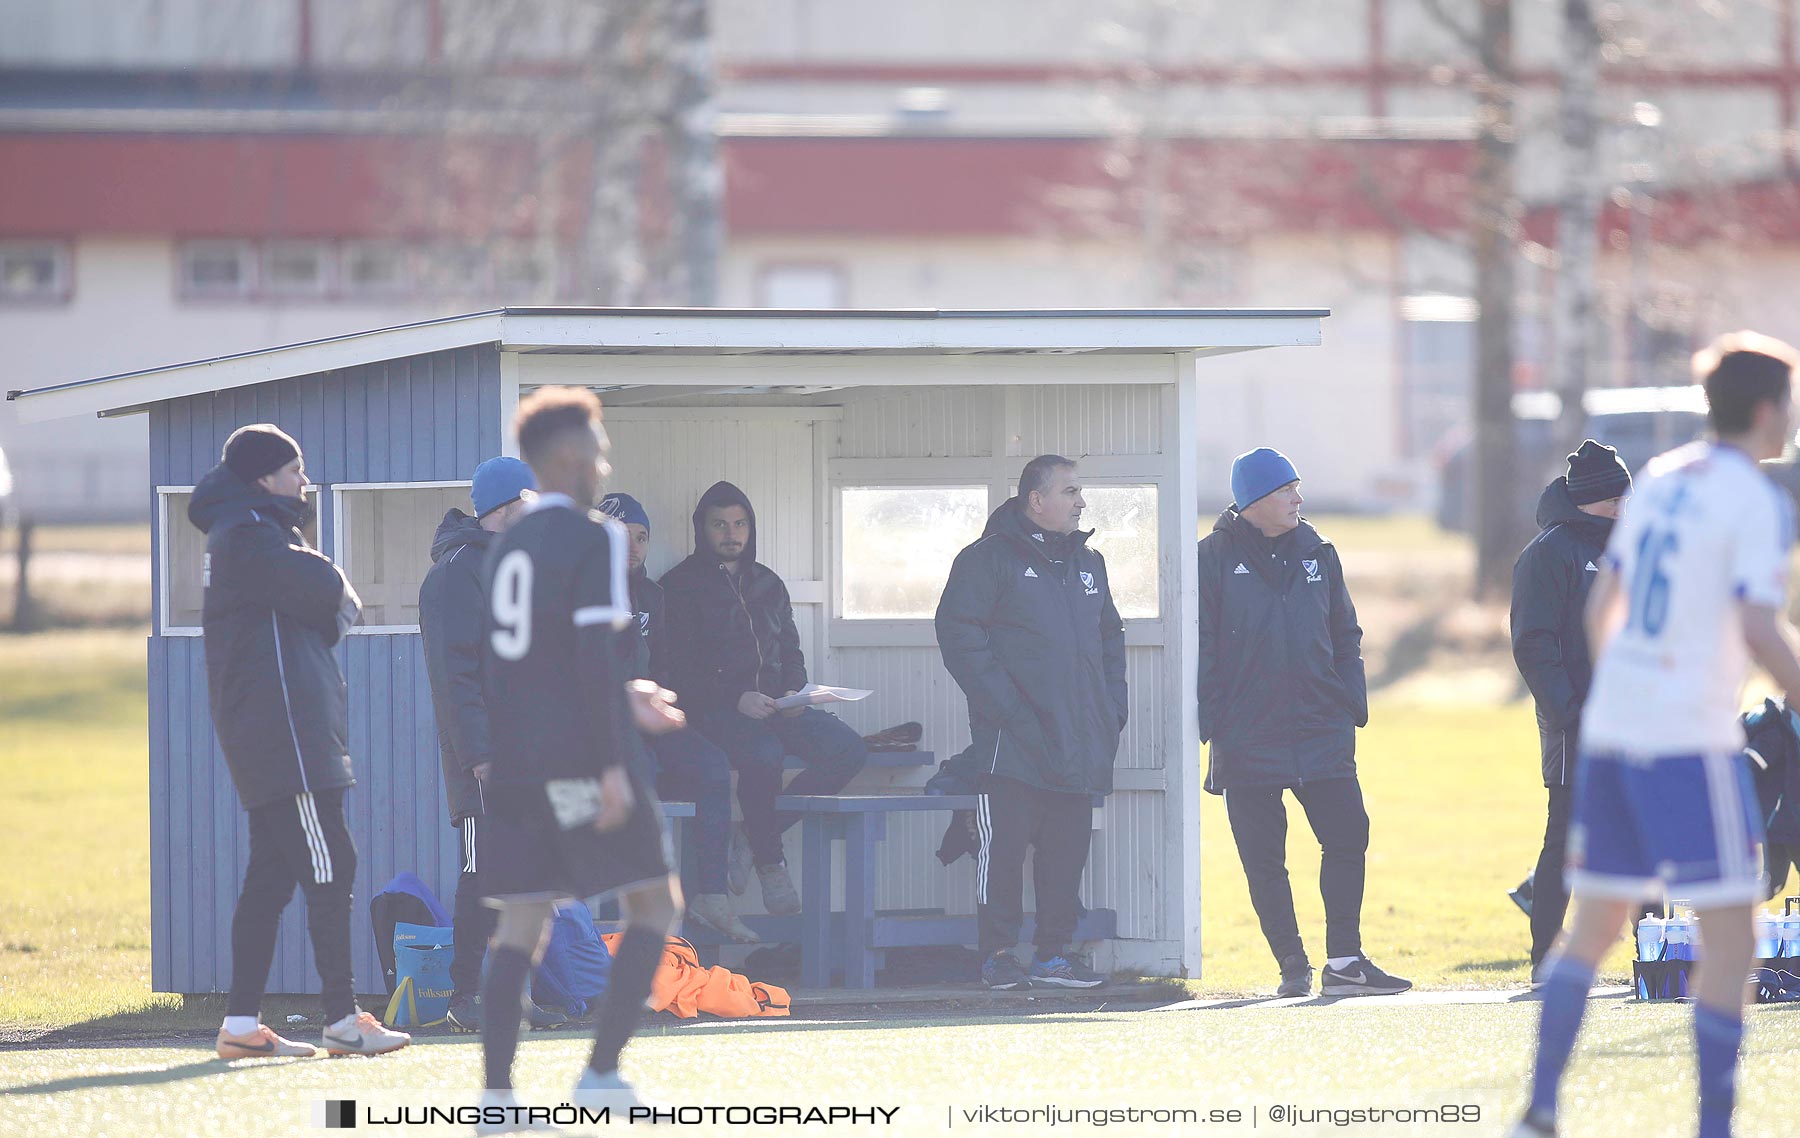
[
  {"x": 732, "y": 651},
  {"x": 452, "y": 598},
  {"x": 274, "y": 609},
  {"x": 1281, "y": 693},
  {"x": 1028, "y": 629},
  {"x": 1549, "y": 594}
]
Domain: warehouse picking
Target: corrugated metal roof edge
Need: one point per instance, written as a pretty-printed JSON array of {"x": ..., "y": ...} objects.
[{"x": 488, "y": 327}]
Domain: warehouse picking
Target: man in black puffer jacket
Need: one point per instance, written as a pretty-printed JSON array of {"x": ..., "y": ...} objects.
[
  {"x": 1281, "y": 693},
  {"x": 274, "y": 609},
  {"x": 1549, "y": 594},
  {"x": 452, "y": 599},
  {"x": 1028, "y": 629},
  {"x": 732, "y": 651}
]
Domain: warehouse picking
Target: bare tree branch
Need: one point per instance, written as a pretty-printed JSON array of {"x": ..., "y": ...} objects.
[{"x": 1463, "y": 33}]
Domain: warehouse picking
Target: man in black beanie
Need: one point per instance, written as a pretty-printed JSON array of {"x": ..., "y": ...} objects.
[
  {"x": 1550, "y": 587},
  {"x": 274, "y": 608}
]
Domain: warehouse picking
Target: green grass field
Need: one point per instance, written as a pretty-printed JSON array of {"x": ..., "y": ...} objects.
[{"x": 1456, "y": 806}]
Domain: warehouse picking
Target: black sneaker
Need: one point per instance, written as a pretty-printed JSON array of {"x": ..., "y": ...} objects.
[
  {"x": 1002, "y": 972},
  {"x": 1061, "y": 972},
  {"x": 1521, "y": 896},
  {"x": 539, "y": 1018},
  {"x": 464, "y": 1014},
  {"x": 1296, "y": 977},
  {"x": 1360, "y": 978}
]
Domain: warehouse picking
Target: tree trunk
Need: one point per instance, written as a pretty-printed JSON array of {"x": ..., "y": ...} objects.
[
  {"x": 1577, "y": 219},
  {"x": 1496, "y": 221},
  {"x": 696, "y": 181}
]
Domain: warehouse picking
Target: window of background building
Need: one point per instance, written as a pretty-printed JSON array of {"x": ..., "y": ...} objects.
[
  {"x": 184, "y": 559},
  {"x": 218, "y": 268},
  {"x": 799, "y": 285},
  {"x": 368, "y": 268},
  {"x": 899, "y": 542},
  {"x": 296, "y": 268},
  {"x": 384, "y": 545},
  {"x": 34, "y": 271}
]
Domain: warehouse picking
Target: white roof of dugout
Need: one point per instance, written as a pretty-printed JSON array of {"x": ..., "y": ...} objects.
[{"x": 705, "y": 332}]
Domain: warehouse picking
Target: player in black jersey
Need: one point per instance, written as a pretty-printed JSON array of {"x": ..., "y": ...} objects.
[{"x": 567, "y": 816}]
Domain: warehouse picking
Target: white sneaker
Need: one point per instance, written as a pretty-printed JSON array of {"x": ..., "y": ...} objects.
[
  {"x": 594, "y": 1091},
  {"x": 1529, "y": 1127},
  {"x": 738, "y": 862},
  {"x": 362, "y": 1034},
  {"x": 508, "y": 1123},
  {"x": 779, "y": 896},
  {"x": 714, "y": 911}
]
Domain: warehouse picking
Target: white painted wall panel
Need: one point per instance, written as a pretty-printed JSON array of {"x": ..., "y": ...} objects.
[
  {"x": 936, "y": 422},
  {"x": 668, "y": 464},
  {"x": 1087, "y": 420}
]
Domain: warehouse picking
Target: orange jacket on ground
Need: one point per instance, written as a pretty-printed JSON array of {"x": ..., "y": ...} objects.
[{"x": 686, "y": 988}]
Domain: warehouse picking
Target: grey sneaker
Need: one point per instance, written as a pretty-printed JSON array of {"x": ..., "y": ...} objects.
[
  {"x": 1002, "y": 972},
  {"x": 780, "y": 897},
  {"x": 714, "y": 911},
  {"x": 738, "y": 862},
  {"x": 1296, "y": 977}
]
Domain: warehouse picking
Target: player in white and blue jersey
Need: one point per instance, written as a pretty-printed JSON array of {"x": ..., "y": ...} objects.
[{"x": 1692, "y": 591}]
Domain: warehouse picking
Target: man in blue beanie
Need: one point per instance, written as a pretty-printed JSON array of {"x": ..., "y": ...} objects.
[
  {"x": 451, "y": 601},
  {"x": 1281, "y": 694},
  {"x": 687, "y": 767}
]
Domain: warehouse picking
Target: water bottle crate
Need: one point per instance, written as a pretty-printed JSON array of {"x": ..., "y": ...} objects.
[{"x": 1777, "y": 977}]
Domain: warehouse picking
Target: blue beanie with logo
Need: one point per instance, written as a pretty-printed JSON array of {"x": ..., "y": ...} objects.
[
  {"x": 497, "y": 482},
  {"x": 1257, "y": 474},
  {"x": 625, "y": 509}
]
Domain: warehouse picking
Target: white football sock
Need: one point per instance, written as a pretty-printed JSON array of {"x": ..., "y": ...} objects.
[
  {"x": 345, "y": 1024},
  {"x": 240, "y": 1025},
  {"x": 1342, "y": 962}
]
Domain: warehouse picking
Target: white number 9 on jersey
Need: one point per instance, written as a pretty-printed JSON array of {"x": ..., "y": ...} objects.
[{"x": 511, "y": 604}]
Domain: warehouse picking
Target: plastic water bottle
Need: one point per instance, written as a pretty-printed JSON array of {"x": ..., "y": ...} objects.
[
  {"x": 1650, "y": 932},
  {"x": 1680, "y": 936},
  {"x": 1788, "y": 928},
  {"x": 1768, "y": 941}
]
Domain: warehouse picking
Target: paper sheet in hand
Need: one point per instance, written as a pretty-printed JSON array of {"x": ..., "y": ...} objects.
[{"x": 813, "y": 694}]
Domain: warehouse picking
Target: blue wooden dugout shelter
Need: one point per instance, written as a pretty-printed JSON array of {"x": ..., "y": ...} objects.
[{"x": 874, "y": 445}]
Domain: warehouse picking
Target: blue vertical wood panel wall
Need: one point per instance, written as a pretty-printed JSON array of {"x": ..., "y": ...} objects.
[{"x": 420, "y": 419}]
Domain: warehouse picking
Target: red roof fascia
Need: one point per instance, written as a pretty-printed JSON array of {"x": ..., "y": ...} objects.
[{"x": 300, "y": 186}]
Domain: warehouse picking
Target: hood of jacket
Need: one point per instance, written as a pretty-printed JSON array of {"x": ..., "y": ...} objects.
[
  {"x": 1555, "y": 507},
  {"x": 1302, "y": 539},
  {"x": 722, "y": 494},
  {"x": 222, "y": 498},
  {"x": 1009, "y": 519},
  {"x": 456, "y": 531}
]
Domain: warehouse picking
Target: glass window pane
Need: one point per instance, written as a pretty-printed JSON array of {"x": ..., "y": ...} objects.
[
  {"x": 372, "y": 268},
  {"x": 1123, "y": 519},
  {"x": 295, "y": 268},
  {"x": 387, "y": 546},
  {"x": 899, "y": 542},
  {"x": 216, "y": 267}
]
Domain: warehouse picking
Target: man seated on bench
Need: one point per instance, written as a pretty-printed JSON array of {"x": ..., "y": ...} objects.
[
  {"x": 686, "y": 767},
  {"x": 732, "y": 651},
  {"x": 1028, "y": 629}
]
